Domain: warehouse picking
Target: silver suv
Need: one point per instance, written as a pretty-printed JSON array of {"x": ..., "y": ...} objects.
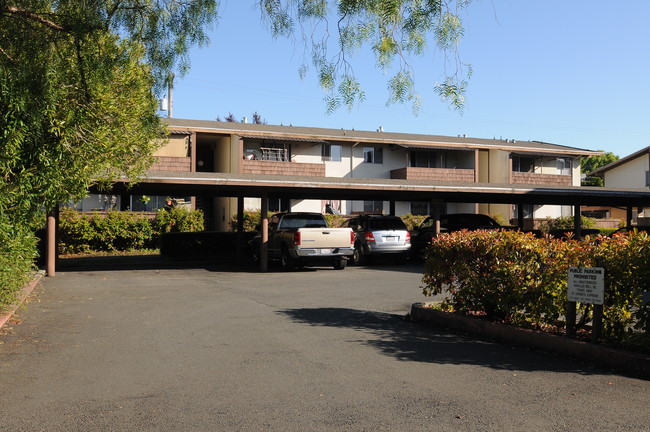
[{"x": 377, "y": 234}]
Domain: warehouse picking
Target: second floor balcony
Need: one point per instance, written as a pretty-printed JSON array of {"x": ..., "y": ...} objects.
[
  {"x": 541, "y": 179},
  {"x": 434, "y": 174},
  {"x": 282, "y": 168}
]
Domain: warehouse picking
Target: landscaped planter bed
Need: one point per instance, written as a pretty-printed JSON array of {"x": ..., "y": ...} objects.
[{"x": 634, "y": 364}]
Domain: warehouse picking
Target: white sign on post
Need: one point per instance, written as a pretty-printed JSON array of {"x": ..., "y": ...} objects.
[{"x": 587, "y": 285}]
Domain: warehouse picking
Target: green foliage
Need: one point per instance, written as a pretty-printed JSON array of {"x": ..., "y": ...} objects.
[
  {"x": 111, "y": 231},
  {"x": 500, "y": 219},
  {"x": 252, "y": 220},
  {"x": 626, "y": 259},
  {"x": 565, "y": 222},
  {"x": 77, "y": 104},
  {"x": 592, "y": 163},
  {"x": 17, "y": 255},
  {"x": 76, "y": 232},
  {"x": 121, "y": 231},
  {"x": 393, "y": 30},
  {"x": 178, "y": 219},
  {"x": 413, "y": 221},
  {"x": 514, "y": 277},
  {"x": 334, "y": 220}
]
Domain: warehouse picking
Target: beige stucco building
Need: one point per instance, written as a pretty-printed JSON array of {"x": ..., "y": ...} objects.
[{"x": 271, "y": 151}]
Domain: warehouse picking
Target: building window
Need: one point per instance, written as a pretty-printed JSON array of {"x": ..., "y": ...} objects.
[
  {"x": 278, "y": 204},
  {"x": 373, "y": 155},
  {"x": 420, "y": 208},
  {"x": 331, "y": 152},
  {"x": 428, "y": 159},
  {"x": 523, "y": 164},
  {"x": 564, "y": 166},
  {"x": 375, "y": 207},
  {"x": 528, "y": 210}
]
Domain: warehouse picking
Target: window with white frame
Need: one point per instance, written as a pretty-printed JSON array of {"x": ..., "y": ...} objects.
[
  {"x": 524, "y": 164},
  {"x": 564, "y": 166},
  {"x": 373, "y": 155},
  {"x": 331, "y": 152}
]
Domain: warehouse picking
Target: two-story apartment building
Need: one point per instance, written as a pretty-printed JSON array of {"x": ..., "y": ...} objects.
[{"x": 271, "y": 151}]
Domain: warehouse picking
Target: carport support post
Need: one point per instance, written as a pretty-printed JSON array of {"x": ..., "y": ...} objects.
[
  {"x": 240, "y": 229},
  {"x": 597, "y": 324},
  {"x": 51, "y": 248},
  {"x": 577, "y": 221},
  {"x": 264, "y": 244},
  {"x": 628, "y": 216},
  {"x": 520, "y": 216},
  {"x": 392, "y": 207},
  {"x": 571, "y": 319},
  {"x": 571, "y": 306},
  {"x": 435, "y": 213}
]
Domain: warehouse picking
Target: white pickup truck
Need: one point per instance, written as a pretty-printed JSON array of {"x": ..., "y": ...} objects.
[{"x": 297, "y": 239}]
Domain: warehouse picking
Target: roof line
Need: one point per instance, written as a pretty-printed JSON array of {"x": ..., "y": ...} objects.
[
  {"x": 620, "y": 161},
  {"x": 359, "y": 135}
]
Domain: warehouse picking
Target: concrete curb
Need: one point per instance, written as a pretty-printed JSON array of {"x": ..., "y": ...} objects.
[
  {"x": 637, "y": 365},
  {"x": 22, "y": 295}
]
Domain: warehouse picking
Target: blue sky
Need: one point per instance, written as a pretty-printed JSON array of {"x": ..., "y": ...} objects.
[{"x": 567, "y": 72}]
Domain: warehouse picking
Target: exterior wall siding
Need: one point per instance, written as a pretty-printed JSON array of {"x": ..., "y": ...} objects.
[
  {"x": 283, "y": 168},
  {"x": 434, "y": 174},
  {"x": 169, "y": 163},
  {"x": 541, "y": 179}
]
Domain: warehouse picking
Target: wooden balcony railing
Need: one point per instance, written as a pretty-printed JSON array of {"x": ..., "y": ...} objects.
[
  {"x": 434, "y": 174},
  {"x": 283, "y": 168},
  {"x": 541, "y": 179},
  {"x": 168, "y": 163}
]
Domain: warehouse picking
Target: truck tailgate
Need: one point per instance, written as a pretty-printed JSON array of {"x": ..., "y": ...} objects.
[{"x": 316, "y": 238}]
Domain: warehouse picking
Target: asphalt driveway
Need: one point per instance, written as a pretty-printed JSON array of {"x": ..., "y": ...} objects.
[{"x": 132, "y": 346}]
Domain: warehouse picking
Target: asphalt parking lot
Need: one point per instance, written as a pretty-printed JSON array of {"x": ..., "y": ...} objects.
[{"x": 136, "y": 345}]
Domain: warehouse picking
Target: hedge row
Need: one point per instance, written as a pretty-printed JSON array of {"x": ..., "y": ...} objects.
[
  {"x": 517, "y": 278},
  {"x": 17, "y": 254},
  {"x": 117, "y": 230}
]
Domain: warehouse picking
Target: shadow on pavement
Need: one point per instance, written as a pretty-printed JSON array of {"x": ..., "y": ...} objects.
[
  {"x": 149, "y": 262},
  {"x": 408, "y": 341}
]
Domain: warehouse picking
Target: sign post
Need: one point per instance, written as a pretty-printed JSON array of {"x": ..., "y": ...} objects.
[{"x": 586, "y": 285}]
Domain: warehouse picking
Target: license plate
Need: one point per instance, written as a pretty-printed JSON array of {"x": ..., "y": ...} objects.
[
  {"x": 390, "y": 238},
  {"x": 325, "y": 251}
]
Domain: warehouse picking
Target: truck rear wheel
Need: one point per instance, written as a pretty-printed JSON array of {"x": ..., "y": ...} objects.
[
  {"x": 340, "y": 263},
  {"x": 286, "y": 262}
]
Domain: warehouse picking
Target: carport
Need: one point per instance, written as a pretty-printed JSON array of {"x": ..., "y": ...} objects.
[{"x": 251, "y": 185}]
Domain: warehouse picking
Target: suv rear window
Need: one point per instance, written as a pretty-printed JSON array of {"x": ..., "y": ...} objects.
[{"x": 386, "y": 224}]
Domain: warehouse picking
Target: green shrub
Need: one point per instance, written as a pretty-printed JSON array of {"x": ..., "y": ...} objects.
[
  {"x": 121, "y": 231},
  {"x": 504, "y": 275},
  {"x": 565, "y": 222},
  {"x": 17, "y": 254},
  {"x": 76, "y": 232},
  {"x": 626, "y": 259},
  {"x": 178, "y": 219},
  {"x": 514, "y": 277},
  {"x": 251, "y": 220},
  {"x": 335, "y": 220},
  {"x": 413, "y": 221}
]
